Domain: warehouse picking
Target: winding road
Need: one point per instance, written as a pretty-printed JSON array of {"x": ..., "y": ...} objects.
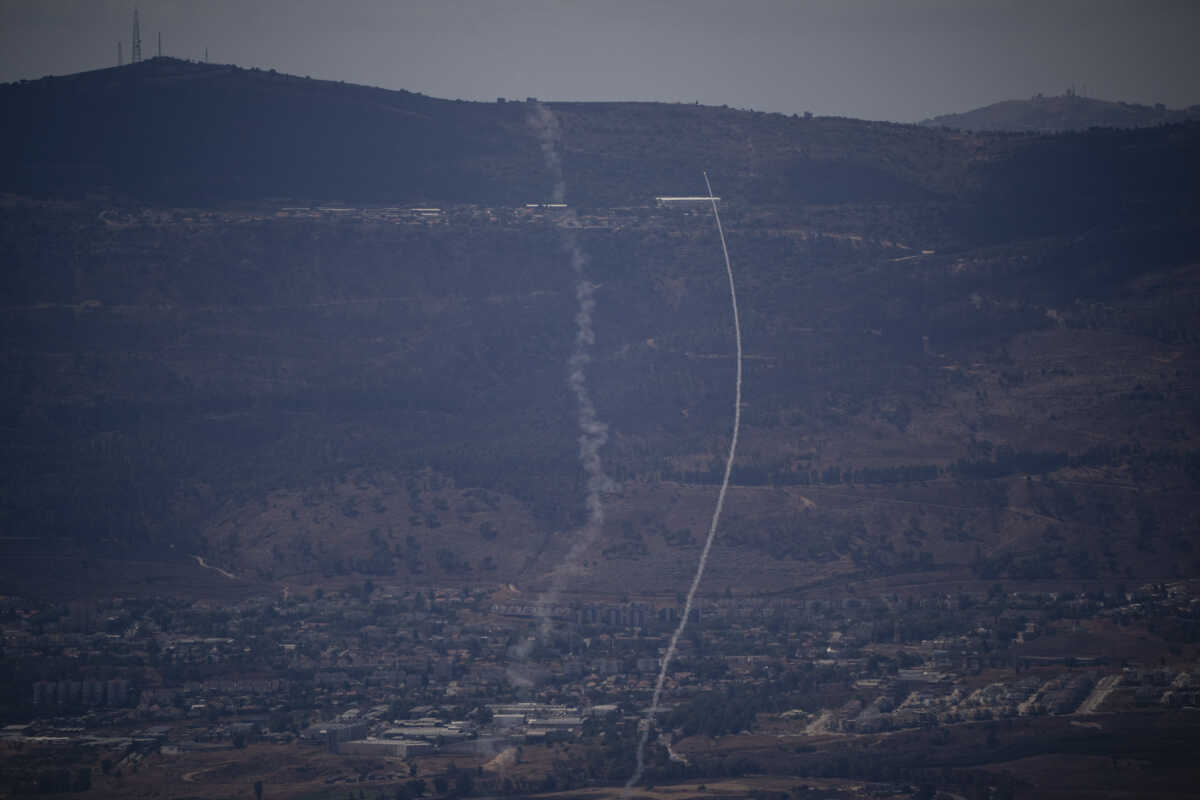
[{"x": 200, "y": 560}]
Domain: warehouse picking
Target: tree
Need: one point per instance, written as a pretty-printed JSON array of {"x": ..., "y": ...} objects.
[{"x": 258, "y": 786}]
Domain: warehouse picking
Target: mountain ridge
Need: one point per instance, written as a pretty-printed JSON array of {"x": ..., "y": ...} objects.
[
  {"x": 1066, "y": 112},
  {"x": 170, "y": 130},
  {"x": 971, "y": 355}
]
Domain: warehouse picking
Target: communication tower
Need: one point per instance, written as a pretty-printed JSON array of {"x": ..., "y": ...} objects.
[
  {"x": 135, "y": 54},
  {"x": 120, "y": 59},
  {"x": 160, "y": 44}
]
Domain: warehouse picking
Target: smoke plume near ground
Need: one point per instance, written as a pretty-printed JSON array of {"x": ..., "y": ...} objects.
[{"x": 648, "y": 722}]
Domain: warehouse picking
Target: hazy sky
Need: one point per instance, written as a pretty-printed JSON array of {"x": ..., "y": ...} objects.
[{"x": 901, "y": 60}]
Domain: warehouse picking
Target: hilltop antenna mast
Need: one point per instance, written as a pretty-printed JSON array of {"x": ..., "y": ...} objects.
[
  {"x": 160, "y": 44},
  {"x": 120, "y": 58},
  {"x": 135, "y": 54}
]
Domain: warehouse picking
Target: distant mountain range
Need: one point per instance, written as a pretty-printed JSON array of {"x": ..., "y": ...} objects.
[
  {"x": 1067, "y": 112},
  {"x": 185, "y": 133},
  {"x": 228, "y": 332}
]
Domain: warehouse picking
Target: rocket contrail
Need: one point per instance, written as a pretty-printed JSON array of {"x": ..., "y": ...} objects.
[
  {"x": 648, "y": 722},
  {"x": 593, "y": 433}
]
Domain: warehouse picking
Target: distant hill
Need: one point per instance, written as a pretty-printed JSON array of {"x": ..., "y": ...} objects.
[
  {"x": 185, "y": 133},
  {"x": 1067, "y": 112},
  {"x": 177, "y": 131},
  {"x": 969, "y": 355}
]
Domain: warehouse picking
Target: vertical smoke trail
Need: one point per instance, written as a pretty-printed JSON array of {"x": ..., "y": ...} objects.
[
  {"x": 648, "y": 722},
  {"x": 593, "y": 434}
]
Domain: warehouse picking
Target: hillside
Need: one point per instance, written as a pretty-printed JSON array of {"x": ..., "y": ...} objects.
[
  {"x": 1066, "y": 112},
  {"x": 969, "y": 357},
  {"x": 182, "y": 133}
]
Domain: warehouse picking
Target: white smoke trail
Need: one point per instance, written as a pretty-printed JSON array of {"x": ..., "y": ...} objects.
[
  {"x": 648, "y": 722},
  {"x": 593, "y": 433}
]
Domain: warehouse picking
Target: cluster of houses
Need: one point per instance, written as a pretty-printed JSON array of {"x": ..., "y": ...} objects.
[{"x": 270, "y": 667}]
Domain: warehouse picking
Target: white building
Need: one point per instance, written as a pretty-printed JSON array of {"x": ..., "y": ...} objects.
[{"x": 685, "y": 202}]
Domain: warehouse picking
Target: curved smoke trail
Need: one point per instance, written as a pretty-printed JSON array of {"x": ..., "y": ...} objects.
[
  {"x": 648, "y": 722},
  {"x": 593, "y": 433}
]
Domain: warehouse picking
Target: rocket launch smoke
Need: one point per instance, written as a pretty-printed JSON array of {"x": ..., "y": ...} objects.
[
  {"x": 648, "y": 722},
  {"x": 593, "y": 434}
]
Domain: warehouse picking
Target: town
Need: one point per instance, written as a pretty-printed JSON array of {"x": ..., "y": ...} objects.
[{"x": 463, "y": 683}]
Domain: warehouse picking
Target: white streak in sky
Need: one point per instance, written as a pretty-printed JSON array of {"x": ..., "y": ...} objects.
[
  {"x": 648, "y": 722},
  {"x": 593, "y": 434}
]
